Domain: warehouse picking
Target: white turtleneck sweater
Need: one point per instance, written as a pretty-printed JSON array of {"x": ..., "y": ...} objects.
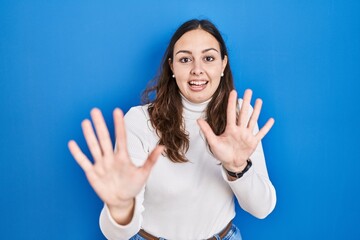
[{"x": 192, "y": 200}]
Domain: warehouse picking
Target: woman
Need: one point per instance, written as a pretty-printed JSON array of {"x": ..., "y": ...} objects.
[{"x": 206, "y": 149}]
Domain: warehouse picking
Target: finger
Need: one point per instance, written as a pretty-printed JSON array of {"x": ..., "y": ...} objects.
[
  {"x": 265, "y": 129},
  {"x": 231, "y": 108},
  {"x": 153, "y": 157},
  {"x": 244, "y": 111},
  {"x": 255, "y": 114},
  {"x": 102, "y": 131},
  {"x": 80, "y": 157},
  {"x": 120, "y": 133},
  {"x": 208, "y": 132},
  {"x": 91, "y": 140}
]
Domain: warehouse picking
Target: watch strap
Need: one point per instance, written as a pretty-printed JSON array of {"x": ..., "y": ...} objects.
[{"x": 240, "y": 174}]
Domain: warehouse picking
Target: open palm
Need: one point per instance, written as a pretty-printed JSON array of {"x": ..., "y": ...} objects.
[
  {"x": 113, "y": 176},
  {"x": 238, "y": 142}
]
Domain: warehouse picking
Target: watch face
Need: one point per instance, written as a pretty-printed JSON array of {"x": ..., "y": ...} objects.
[{"x": 239, "y": 175}]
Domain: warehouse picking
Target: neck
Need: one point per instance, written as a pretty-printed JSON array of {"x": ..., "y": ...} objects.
[{"x": 193, "y": 110}]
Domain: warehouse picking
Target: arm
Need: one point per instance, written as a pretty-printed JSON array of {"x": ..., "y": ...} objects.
[
  {"x": 254, "y": 190},
  {"x": 113, "y": 230},
  {"x": 113, "y": 176},
  {"x": 240, "y": 141}
]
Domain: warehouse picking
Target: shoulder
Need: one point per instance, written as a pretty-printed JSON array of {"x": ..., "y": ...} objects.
[
  {"x": 138, "y": 118},
  {"x": 138, "y": 112}
]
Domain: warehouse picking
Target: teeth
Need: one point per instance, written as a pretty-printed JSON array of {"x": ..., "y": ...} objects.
[{"x": 198, "y": 83}]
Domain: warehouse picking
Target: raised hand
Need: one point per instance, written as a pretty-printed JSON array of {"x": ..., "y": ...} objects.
[
  {"x": 238, "y": 142},
  {"x": 113, "y": 176}
]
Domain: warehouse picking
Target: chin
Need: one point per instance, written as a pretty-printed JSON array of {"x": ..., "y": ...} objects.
[{"x": 199, "y": 100}]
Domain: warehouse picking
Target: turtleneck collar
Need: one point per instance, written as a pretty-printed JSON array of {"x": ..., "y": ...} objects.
[{"x": 193, "y": 110}]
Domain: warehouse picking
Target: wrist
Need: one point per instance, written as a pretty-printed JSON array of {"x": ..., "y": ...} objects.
[
  {"x": 123, "y": 213},
  {"x": 238, "y": 173},
  {"x": 234, "y": 168}
]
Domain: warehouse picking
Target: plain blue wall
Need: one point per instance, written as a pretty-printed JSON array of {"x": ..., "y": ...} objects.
[{"x": 58, "y": 59}]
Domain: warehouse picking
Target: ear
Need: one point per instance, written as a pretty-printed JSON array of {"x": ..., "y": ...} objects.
[
  {"x": 171, "y": 64},
  {"x": 224, "y": 63}
]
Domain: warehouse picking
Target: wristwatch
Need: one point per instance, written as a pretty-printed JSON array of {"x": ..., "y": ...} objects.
[{"x": 240, "y": 174}]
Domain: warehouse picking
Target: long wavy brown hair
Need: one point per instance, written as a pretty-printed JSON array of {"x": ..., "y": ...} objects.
[{"x": 165, "y": 109}]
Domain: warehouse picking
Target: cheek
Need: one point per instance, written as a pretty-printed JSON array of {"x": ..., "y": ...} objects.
[
  {"x": 181, "y": 83},
  {"x": 181, "y": 74},
  {"x": 215, "y": 70},
  {"x": 216, "y": 74},
  {"x": 179, "y": 68}
]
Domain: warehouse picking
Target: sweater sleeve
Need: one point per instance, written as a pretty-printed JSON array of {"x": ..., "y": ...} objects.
[
  {"x": 254, "y": 190},
  {"x": 135, "y": 123},
  {"x": 114, "y": 231}
]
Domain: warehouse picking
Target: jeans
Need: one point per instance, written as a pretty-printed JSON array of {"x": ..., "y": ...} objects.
[{"x": 233, "y": 234}]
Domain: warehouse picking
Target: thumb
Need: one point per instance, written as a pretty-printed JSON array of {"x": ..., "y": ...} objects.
[
  {"x": 208, "y": 132},
  {"x": 153, "y": 157}
]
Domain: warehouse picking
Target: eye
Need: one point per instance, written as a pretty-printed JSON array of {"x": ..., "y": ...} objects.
[
  {"x": 209, "y": 59},
  {"x": 185, "y": 60}
]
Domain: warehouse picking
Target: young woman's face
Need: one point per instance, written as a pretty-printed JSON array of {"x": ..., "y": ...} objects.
[{"x": 197, "y": 65}]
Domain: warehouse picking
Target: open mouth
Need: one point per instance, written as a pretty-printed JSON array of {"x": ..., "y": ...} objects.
[{"x": 198, "y": 83}]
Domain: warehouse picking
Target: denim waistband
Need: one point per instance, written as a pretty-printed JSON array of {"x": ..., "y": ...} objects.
[{"x": 232, "y": 234}]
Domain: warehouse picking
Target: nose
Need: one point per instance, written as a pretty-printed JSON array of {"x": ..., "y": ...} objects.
[{"x": 197, "y": 68}]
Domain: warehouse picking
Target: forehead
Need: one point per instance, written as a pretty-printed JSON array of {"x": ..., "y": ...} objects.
[{"x": 196, "y": 40}]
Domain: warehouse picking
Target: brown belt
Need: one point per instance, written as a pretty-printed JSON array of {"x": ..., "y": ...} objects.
[{"x": 221, "y": 234}]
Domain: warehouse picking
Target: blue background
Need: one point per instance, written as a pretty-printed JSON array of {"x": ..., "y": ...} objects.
[{"x": 58, "y": 59}]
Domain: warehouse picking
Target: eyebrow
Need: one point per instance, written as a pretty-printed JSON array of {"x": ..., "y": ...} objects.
[{"x": 189, "y": 52}]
